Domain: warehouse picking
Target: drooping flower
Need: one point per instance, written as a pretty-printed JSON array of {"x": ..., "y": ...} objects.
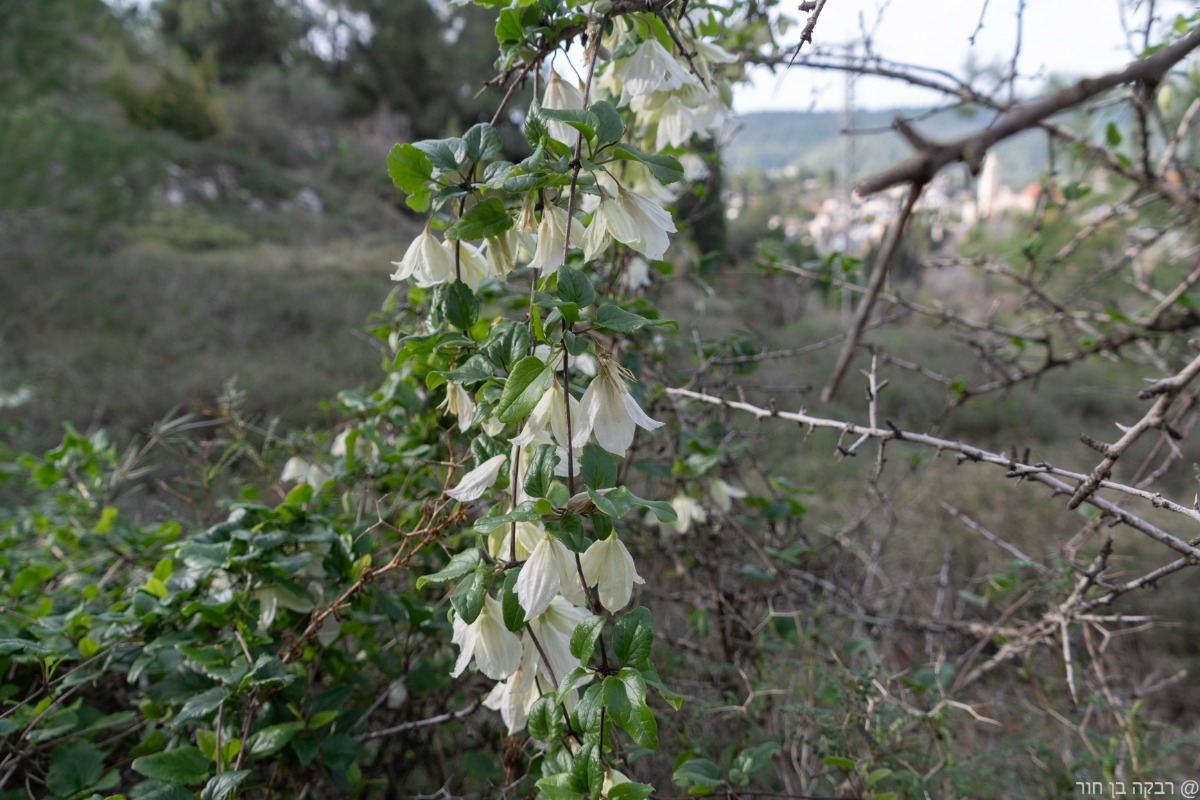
[
  {"x": 500, "y": 544},
  {"x": 496, "y": 649},
  {"x": 631, "y": 219},
  {"x": 560, "y": 95},
  {"x": 550, "y": 569},
  {"x": 548, "y": 417},
  {"x": 611, "y": 412},
  {"x": 687, "y": 511},
  {"x": 636, "y": 274},
  {"x": 553, "y": 629},
  {"x": 477, "y": 481},
  {"x": 514, "y": 697},
  {"x": 650, "y": 69},
  {"x": 608, "y": 566},
  {"x": 551, "y": 236},
  {"x": 426, "y": 261},
  {"x": 301, "y": 470},
  {"x": 473, "y": 265},
  {"x": 459, "y": 403},
  {"x": 723, "y": 494}
]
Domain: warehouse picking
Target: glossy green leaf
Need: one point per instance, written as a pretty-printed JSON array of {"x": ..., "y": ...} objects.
[
  {"x": 460, "y": 564},
  {"x": 467, "y": 598},
  {"x": 484, "y": 219},
  {"x": 633, "y": 637},
  {"x": 460, "y": 306},
  {"x": 585, "y": 636},
  {"x": 540, "y": 472},
  {"x": 183, "y": 765},
  {"x": 524, "y": 388}
]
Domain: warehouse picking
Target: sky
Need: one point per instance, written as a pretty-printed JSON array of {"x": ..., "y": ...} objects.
[{"x": 1059, "y": 37}]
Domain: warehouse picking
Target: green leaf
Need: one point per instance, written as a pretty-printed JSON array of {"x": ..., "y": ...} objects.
[
  {"x": 482, "y": 143},
  {"x": 484, "y": 219},
  {"x": 525, "y": 386},
  {"x": 508, "y": 26},
  {"x": 615, "y": 503},
  {"x": 663, "y": 511},
  {"x": 460, "y": 564},
  {"x": 633, "y": 637},
  {"x": 615, "y": 318},
  {"x": 545, "y": 719},
  {"x": 524, "y": 512},
  {"x": 845, "y": 764},
  {"x": 610, "y": 127},
  {"x": 698, "y": 775},
  {"x": 202, "y": 704},
  {"x": 574, "y": 287},
  {"x": 1112, "y": 135},
  {"x": 588, "y": 710},
  {"x": 445, "y": 154},
  {"x": 571, "y": 680},
  {"x": 598, "y": 470},
  {"x": 461, "y": 307},
  {"x": 540, "y": 473},
  {"x": 665, "y": 168},
  {"x": 575, "y": 118},
  {"x": 507, "y": 344},
  {"x": 409, "y": 168},
  {"x": 674, "y": 700},
  {"x": 587, "y": 773},
  {"x": 755, "y": 758},
  {"x": 467, "y": 597},
  {"x": 183, "y": 765},
  {"x": 514, "y": 615},
  {"x": 583, "y": 639},
  {"x": 625, "y": 699},
  {"x": 74, "y": 767},
  {"x": 474, "y": 370},
  {"x": 558, "y": 787},
  {"x": 535, "y": 125},
  {"x": 270, "y": 741},
  {"x": 222, "y": 786},
  {"x": 630, "y": 791},
  {"x": 568, "y": 529}
]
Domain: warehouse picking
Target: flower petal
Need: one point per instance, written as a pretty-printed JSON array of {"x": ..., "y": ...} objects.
[{"x": 477, "y": 481}]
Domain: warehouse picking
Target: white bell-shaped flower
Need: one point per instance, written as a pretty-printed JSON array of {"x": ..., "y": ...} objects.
[
  {"x": 608, "y": 566},
  {"x": 550, "y": 569},
  {"x": 459, "y": 403},
  {"x": 549, "y": 417},
  {"x": 551, "y": 236},
  {"x": 426, "y": 261},
  {"x": 650, "y": 69},
  {"x": 553, "y": 629},
  {"x": 500, "y": 544},
  {"x": 561, "y": 95},
  {"x": 477, "y": 481},
  {"x": 687, "y": 511},
  {"x": 636, "y": 274},
  {"x": 473, "y": 265},
  {"x": 514, "y": 697},
  {"x": 496, "y": 649},
  {"x": 723, "y": 494},
  {"x": 300, "y": 470},
  {"x": 611, "y": 412}
]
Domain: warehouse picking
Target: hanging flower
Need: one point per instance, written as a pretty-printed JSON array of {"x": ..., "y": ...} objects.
[
  {"x": 549, "y": 570},
  {"x": 608, "y": 566},
  {"x": 650, "y": 69},
  {"x": 458, "y": 403},
  {"x": 723, "y": 494},
  {"x": 500, "y": 544},
  {"x": 687, "y": 511},
  {"x": 611, "y": 412},
  {"x": 496, "y": 649},
  {"x": 636, "y": 274},
  {"x": 426, "y": 261},
  {"x": 301, "y": 470},
  {"x": 631, "y": 219},
  {"x": 477, "y": 481},
  {"x": 553, "y": 629},
  {"x": 551, "y": 235},
  {"x": 548, "y": 417},
  {"x": 473, "y": 265},
  {"x": 561, "y": 95},
  {"x": 514, "y": 697}
]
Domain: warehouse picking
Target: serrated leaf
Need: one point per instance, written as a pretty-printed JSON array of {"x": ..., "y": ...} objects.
[
  {"x": 409, "y": 168},
  {"x": 574, "y": 287},
  {"x": 610, "y": 127},
  {"x": 271, "y": 740},
  {"x": 460, "y": 564},
  {"x": 482, "y": 143},
  {"x": 584, "y": 637},
  {"x": 202, "y": 704},
  {"x": 484, "y": 219},
  {"x": 467, "y": 597},
  {"x": 460, "y": 307},
  {"x": 540, "y": 472},
  {"x": 183, "y": 765},
  {"x": 74, "y": 767},
  {"x": 633, "y": 637},
  {"x": 625, "y": 699},
  {"x": 545, "y": 719},
  {"x": 525, "y": 386}
]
